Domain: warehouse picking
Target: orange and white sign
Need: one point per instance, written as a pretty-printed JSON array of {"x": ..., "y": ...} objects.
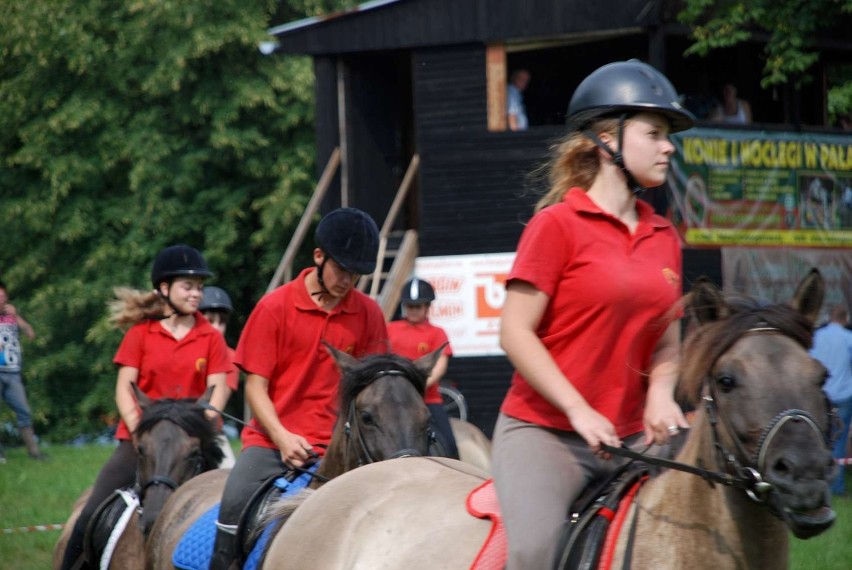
[{"x": 469, "y": 295}]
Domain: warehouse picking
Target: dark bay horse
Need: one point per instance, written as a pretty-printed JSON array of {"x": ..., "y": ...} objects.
[
  {"x": 761, "y": 424},
  {"x": 382, "y": 416},
  {"x": 174, "y": 442}
]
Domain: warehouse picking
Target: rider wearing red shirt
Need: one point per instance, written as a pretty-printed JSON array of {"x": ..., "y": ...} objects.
[
  {"x": 414, "y": 336},
  {"x": 170, "y": 351},
  {"x": 292, "y": 381},
  {"x": 590, "y": 320}
]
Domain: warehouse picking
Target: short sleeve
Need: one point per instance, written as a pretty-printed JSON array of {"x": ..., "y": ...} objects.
[
  {"x": 542, "y": 252},
  {"x": 375, "y": 338},
  {"x": 218, "y": 359},
  {"x": 258, "y": 346},
  {"x": 131, "y": 349}
]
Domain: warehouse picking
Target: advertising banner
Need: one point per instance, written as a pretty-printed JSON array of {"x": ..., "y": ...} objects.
[
  {"x": 735, "y": 187},
  {"x": 469, "y": 294}
]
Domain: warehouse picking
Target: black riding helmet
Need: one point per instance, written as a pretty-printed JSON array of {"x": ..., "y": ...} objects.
[
  {"x": 621, "y": 90},
  {"x": 416, "y": 292},
  {"x": 215, "y": 299},
  {"x": 177, "y": 261},
  {"x": 350, "y": 237}
]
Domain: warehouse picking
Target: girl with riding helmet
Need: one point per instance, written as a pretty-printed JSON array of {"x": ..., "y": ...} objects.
[
  {"x": 414, "y": 336},
  {"x": 590, "y": 320},
  {"x": 292, "y": 381},
  {"x": 169, "y": 351}
]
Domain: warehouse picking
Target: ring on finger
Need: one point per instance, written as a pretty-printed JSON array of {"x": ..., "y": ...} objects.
[{"x": 672, "y": 429}]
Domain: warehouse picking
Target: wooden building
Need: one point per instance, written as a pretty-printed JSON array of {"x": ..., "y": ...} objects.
[{"x": 399, "y": 78}]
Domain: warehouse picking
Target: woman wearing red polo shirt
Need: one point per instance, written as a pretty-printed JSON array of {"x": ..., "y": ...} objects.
[
  {"x": 590, "y": 318},
  {"x": 292, "y": 381},
  {"x": 170, "y": 351}
]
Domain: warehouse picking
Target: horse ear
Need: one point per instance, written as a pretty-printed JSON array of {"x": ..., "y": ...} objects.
[
  {"x": 809, "y": 295},
  {"x": 205, "y": 397},
  {"x": 705, "y": 303},
  {"x": 141, "y": 397},
  {"x": 426, "y": 363},
  {"x": 346, "y": 362}
]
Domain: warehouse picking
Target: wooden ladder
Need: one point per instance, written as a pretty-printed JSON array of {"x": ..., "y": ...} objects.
[{"x": 398, "y": 251}]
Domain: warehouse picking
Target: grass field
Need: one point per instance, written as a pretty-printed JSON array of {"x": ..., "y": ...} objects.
[{"x": 34, "y": 493}]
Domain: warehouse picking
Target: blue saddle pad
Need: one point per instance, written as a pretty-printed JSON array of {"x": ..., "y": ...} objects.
[{"x": 195, "y": 549}]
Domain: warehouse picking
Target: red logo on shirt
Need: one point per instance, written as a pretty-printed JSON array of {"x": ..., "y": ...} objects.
[
  {"x": 201, "y": 365},
  {"x": 422, "y": 347}
]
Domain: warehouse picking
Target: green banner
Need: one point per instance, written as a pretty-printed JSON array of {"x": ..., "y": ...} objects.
[{"x": 735, "y": 187}]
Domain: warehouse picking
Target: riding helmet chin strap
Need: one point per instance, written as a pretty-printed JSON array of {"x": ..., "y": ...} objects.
[
  {"x": 168, "y": 300},
  {"x": 617, "y": 156},
  {"x": 323, "y": 289}
]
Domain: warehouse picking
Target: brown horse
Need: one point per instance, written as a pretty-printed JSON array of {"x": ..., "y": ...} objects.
[
  {"x": 383, "y": 417},
  {"x": 174, "y": 442},
  {"x": 761, "y": 427}
]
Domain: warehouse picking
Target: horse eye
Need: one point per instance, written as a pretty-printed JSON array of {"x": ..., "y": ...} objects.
[
  {"x": 726, "y": 383},
  {"x": 367, "y": 418}
]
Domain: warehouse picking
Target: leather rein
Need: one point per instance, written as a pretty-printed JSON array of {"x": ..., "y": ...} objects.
[{"x": 738, "y": 469}]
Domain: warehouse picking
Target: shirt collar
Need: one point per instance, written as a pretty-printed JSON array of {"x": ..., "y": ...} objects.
[{"x": 579, "y": 199}]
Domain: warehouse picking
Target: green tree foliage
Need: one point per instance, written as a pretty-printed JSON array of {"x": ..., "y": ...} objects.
[
  {"x": 125, "y": 127},
  {"x": 790, "y": 26}
]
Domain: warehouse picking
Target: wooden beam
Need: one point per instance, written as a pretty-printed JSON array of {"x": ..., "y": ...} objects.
[{"x": 495, "y": 76}]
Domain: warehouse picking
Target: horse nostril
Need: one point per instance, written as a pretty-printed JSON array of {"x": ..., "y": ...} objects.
[{"x": 780, "y": 467}]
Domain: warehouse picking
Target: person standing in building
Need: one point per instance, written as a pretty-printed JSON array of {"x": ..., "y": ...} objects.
[
  {"x": 833, "y": 348},
  {"x": 413, "y": 336},
  {"x": 590, "y": 320},
  {"x": 11, "y": 381},
  {"x": 515, "y": 108}
]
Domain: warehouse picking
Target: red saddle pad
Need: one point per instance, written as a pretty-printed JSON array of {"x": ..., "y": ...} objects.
[{"x": 482, "y": 503}]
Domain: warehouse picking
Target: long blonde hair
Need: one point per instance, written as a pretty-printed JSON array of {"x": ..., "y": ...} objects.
[
  {"x": 132, "y": 306},
  {"x": 573, "y": 162}
]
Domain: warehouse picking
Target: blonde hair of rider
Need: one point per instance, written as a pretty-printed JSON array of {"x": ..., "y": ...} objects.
[
  {"x": 574, "y": 162},
  {"x": 132, "y": 306}
]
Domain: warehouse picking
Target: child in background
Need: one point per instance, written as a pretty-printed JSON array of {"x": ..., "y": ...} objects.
[
  {"x": 217, "y": 308},
  {"x": 414, "y": 336}
]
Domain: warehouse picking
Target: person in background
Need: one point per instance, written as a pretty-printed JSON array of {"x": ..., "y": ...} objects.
[
  {"x": 292, "y": 381},
  {"x": 414, "y": 336},
  {"x": 833, "y": 348},
  {"x": 516, "y": 111},
  {"x": 732, "y": 110},
  {"x": 216, "y": 307},
  {"x": 169, "y": 351},
  {"x": 590, "y": 319},
  {"x": 11, "y": 382}
]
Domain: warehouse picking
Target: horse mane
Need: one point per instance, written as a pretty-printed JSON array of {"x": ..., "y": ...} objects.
[
  {"x": 189, "y": 416},
  {"x": 709, "y": 341},
  {"x": 371, "y": 367}
]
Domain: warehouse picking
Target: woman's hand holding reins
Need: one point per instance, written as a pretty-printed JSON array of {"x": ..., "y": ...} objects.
[
  {"x": 594, "y": 428},
  {"x": 663, "y": 417},
  {"x": 295, "y": 449}
]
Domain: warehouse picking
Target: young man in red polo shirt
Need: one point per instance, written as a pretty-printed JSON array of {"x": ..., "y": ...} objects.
[
  {"x": 292, "y": 381},
  {"x": 414, "y": 336}
]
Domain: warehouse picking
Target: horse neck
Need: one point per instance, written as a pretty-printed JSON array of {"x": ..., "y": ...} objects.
[{"x": 677, "y": 501}]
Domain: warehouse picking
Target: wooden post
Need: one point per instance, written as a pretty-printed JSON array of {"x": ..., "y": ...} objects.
[
  {"x": 342, "y": 133},
  {"x": 495, "y": 76}
]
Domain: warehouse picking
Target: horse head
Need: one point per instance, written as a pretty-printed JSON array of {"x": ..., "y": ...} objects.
[
  {"x": 382, "y": 414},
  {"x": 748, "y": 364},
  {"x": 174, "y": 442}
]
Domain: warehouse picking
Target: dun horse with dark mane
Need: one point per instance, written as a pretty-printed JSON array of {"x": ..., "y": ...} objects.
[
  {"x": 175, "y": 442},
  {"x": 382, "y": 417},
  {"x": 759, "y": 437}
]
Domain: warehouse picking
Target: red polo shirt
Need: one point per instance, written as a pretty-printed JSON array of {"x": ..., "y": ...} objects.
[
  {"x": 282, "y": 342},
  {"x": 612, "y": 295},
  {"x": 416, "y": 340},
  {"x": 233, "y": 377},
  {"x": 171, "y": 368}
]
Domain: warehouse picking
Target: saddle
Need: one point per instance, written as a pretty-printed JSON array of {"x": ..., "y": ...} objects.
[
  {"x": 195, "y": 548},
  {"x": 107, "y": 525},
  {"x": 586, "y": 532}
]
